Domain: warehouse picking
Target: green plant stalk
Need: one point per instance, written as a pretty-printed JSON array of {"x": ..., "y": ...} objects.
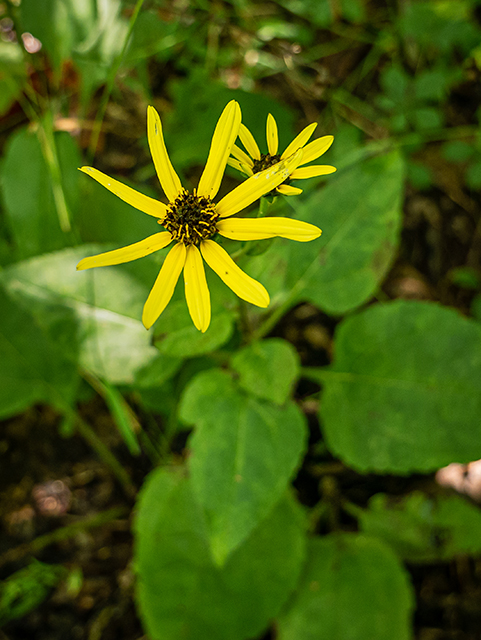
[
  {"x": 105, "y": 455},
  {"x": 45, "y": 137},
  {"x": 49, "y": 149},
  {"x": 278, "y": 313},
  {"x": 122, "y": 414},
  {"x": 97, "y": 126},
  {"x": 63, "y": 533},
  {"x": 264, "y": 205}
]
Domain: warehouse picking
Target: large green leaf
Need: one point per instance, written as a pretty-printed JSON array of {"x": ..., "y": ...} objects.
[
  {"x": 28, "y": 196},
  {"x": 359, "y": 212},
  {"x": 33, "y": 367},
  {"x": 421, "y": 528},
  {"x": 182, "y": 594},
  {"x": 243, "y": 453},
  {"x": 403, "y": 392},
  {"x": 353, "y": 588},
  {"x": 106, "y": 302}
]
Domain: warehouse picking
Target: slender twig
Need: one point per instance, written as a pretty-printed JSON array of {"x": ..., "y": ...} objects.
[
  {"x": 105, "y": 455},
  {"x": 63, "y": 533},
  {"x": 97, "y": 127}
]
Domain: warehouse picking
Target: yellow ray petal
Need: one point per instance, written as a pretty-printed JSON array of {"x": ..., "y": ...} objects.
[
  {"x": 261, "y": 228},
  {"x": 243, "y": 168},
  {"x": 165, "y": 171},
  {"x": 312, "y": 172},
  {"x": 241, "y": 156},
  {"x": 241, "y": 284},
  {"x": 257, "y": 185},
  {"x": 316, "y": 148},
  {"x": 164, "y": 286},
  {"x": 196, "y": 289},
  {"x": 225, "y": 135},
  {"x": 287, "y": 190},
  {"x": 249, "y": 142},
  {"x": 134, "y": 198},
  {"x": 272, "y": 135},
  {"x": 127, "y": 254},
  {"x": 300, "y": 140}
]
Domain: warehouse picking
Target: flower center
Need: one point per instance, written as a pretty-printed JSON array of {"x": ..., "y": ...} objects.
[
  {"x": 266, "y": 161},
  {"x": 191, "y": 218}
]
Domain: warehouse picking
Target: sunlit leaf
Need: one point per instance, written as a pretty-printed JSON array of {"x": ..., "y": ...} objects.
[{"x": 107, "y": 304}]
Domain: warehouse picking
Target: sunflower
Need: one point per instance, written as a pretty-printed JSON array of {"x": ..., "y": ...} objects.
[
  {"x": 191, "y": 220},
  {"x": 254, "y": 161}
]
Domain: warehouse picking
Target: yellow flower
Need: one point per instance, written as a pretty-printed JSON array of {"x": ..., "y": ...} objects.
[
  {"x": 191, "y": 220},
  {"x": 254, "y": 161}
]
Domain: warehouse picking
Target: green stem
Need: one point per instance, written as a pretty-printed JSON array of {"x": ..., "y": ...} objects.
[
  {"x": 264, "y": 205},
  {"x": 104, "y": 454},
  {"x": 49, "y": 149},
  {"x": 71, "y": 530},
  {"x": 270, "y": 322},
  {"x": 97, "y": 126}
]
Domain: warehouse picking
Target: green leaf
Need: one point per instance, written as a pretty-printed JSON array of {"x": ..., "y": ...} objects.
[
  {"x": 353, "y": 588},
  {"x": 243, "y": 454},
  {"x": 107, "y": 304},
  {"x": 27, "y": 588},
  {"x": 177, "y": 337},
  {"x": 156, "y": 372},
  {"x": 360, "y": 219},
  {"x": 267, "y": 369},
  {"x": 125, "y": 419},
  {"x": 360, "y": 214},
  {"x": 465, "y": 277},
  {"x": 457, "y": 151},
  {"x": 27, "y": 191},
  {"x": 427, "y": 118},
  {"x": 421, "y": 528},
  {"x": 403, "y": 392},
  {"x": 419, "y": 175},
  {"x": 33, "y": 369},
  {"x": 182, "y": 594},
  {"x": 473, "y": 175}
]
